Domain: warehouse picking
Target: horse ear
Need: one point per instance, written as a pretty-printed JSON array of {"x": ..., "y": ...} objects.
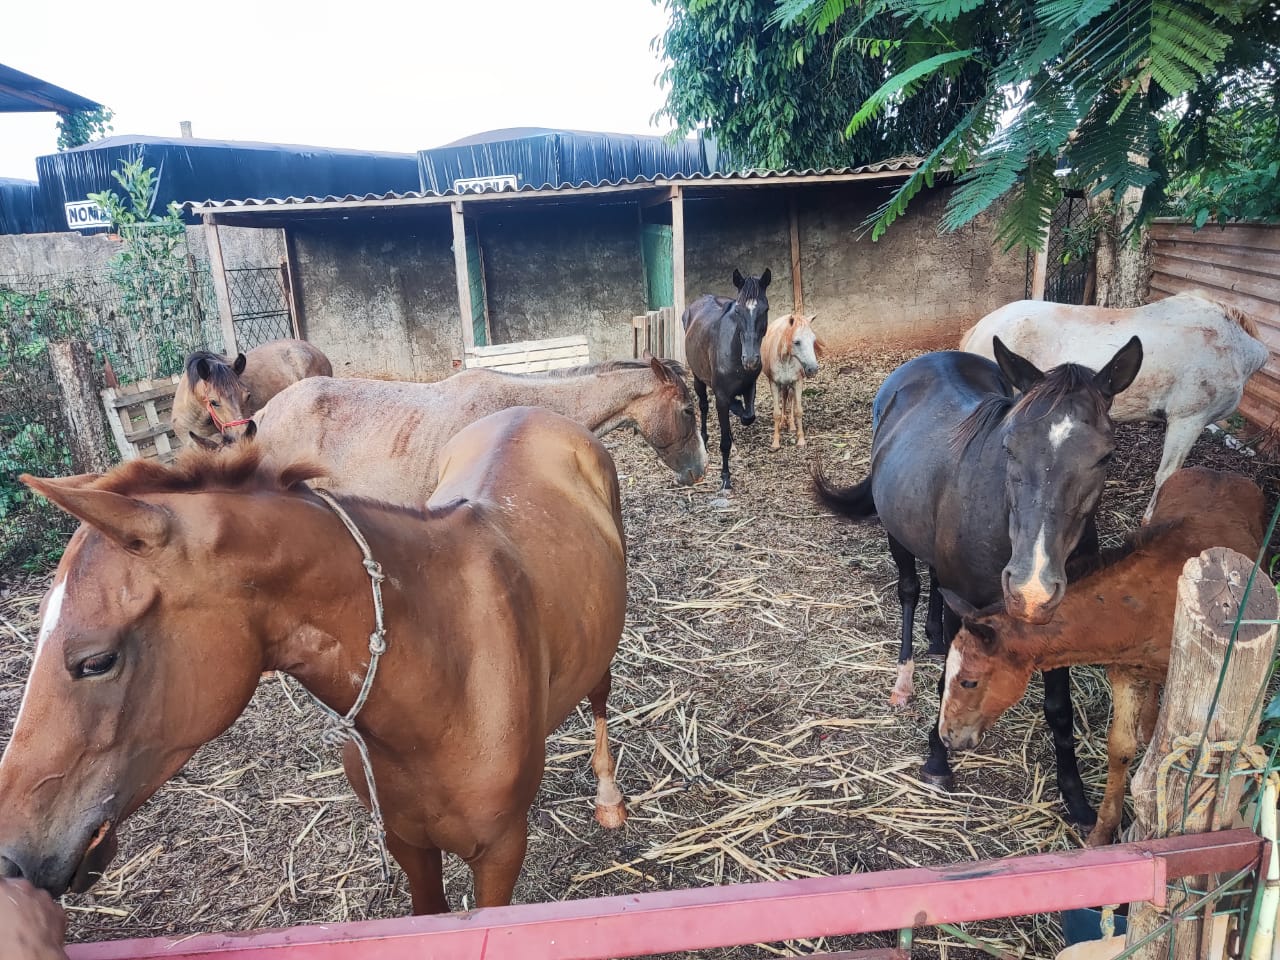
[
  {"x": 250, "y": 431},
  {"x": 204, "y": 442},
  {"x": 1020, "y": 371},
  {"x": 660, "y": 369},
  {"x": 136, "y": 526},
  {"x": 959, "y": 605},
  {"x": 765, "y": 278},
  {"x": 1120, "y": 371},
  {"x": 737, "y": 279},
  {"x": 980, "y": 630},
  {"x": 202, "y": 368},
  {"x": 238, "y": 366},
  {"x": 647, "y": 354},
  {"x": 791, "y": 320}
]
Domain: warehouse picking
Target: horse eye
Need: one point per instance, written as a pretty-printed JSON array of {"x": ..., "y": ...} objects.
[
  {"x": 96, "y": 665},
  {"x": 796, "y": 343},
  {"x": 214, "y": 403},
  {"x": 968, "y": 684}
]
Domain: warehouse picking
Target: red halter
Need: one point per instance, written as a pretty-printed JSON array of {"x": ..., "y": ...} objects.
[{"x": 222, "y": 427}]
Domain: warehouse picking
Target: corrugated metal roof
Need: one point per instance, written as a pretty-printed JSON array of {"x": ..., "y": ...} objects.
[{"x": 901, "y": 165}]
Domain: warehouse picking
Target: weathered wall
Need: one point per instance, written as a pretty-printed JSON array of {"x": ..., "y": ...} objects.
[
  {"x": 552, "y": 272},
  {"x": 45, "y": 254},
  {"x": 379, "y": 297},
  {"x": 916, "y": 286},
  {"x": 1238, "y": 264},
  {"x": 747, "y": 230}
]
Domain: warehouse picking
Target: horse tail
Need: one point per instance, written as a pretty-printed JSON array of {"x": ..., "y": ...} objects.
[{"x": 854, "y": 502}]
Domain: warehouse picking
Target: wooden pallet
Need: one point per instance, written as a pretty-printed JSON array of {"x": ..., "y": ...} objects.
[
  {"x": 531, "y": 356},
  {"x": 139, "y": 417},
  {"x": 659, "y": 332}
]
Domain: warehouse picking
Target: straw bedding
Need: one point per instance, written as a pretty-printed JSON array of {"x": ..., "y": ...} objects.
[{"x": 749, "y": 714}]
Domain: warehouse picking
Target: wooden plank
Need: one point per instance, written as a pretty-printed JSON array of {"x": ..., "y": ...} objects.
[
  {"x": 1254, "y": 263},
  {"x": 150, "y": 432},
  {"x": 677, "y": 266},
  {"x": 678, "y": 921},
  {"x": 109, "y": 401},
  {"x": 220, "y": 289},
  {"x": 462, "y": 276},
  {"x": 577, "y": 354},
  {"x": 1259, "y": 309},
  {"x": 522, "y": 346},
  {"x": 1217, "y": 277},
  {"x": 1039, "y": 273},
  {"x": 1243, "y": 235},
  {"x": 296, "y": 309},
  {"x": 154, "y": 393},
  {"x": 797, "y": 283}
]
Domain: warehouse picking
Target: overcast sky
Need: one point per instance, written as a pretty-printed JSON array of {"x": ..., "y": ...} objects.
[{"x": 373, "y": 74}]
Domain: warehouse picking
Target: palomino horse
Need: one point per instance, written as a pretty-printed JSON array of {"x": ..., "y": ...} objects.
[
  {"x": 994, "y": 493},
  {"x": 217, "y": 397},
  {"x": 382, "y": 439},
  {"x": 1120, "y": 616},
  {"x": 788, "y": 354},
  {"x": 722, "y": 343},
  {"x": 1198, "y": 353},
  {"x": 504, "y": 600}
]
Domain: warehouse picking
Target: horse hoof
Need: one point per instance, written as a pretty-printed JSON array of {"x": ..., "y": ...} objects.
[
  {"x": 611, "y": 816},
  {"x": 748, "y": 421},
  {"x": 1085, "y": 820},
  {"x": 775, "y": 446},
  {"x": 899, "y": 700},
  {"x": 945, "y": 782}
]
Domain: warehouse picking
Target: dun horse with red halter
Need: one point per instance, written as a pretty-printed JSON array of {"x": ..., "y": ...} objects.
[
  {"x": 1119, "y": 616},
  {"x": 489, "y": 630},
  {"x": 216, "y": 398}
]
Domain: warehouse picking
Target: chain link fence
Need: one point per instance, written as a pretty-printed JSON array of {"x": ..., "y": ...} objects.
[{"x": 141, "y": 316}]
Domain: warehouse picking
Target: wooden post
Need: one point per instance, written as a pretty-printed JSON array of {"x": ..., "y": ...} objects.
[
  {"x": 464, "y": 278},
  {"x": 72, "y": 365},
  {"x": 294, "y": 290},
  {"x": 223, "y": 293},
  {"x": 677, "y": 267},
  {"x": 1208, "y": 603},
  {"x": 1039, "y": 272},
  {"x": 797, "y": 282}
]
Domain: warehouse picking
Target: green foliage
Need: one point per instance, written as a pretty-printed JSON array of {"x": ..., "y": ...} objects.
[
  {"x": 83, "y": 126},
  {"x": 776, "y": 83},
  {"x": 1224, "y": 152},
  {"x": 1087, "y": 82},
  {"x": 151, "y": 271}
]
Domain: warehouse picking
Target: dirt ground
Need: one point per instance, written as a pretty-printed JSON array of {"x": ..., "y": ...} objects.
[{"x": 749, "y": 712}]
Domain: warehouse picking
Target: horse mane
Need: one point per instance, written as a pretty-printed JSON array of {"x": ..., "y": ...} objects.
[
  {"x": 673, "y": 367},
  {"x": 221, "y": 376},
  {"x": 750, "y": 290},
  {"x": 238, "y": 467},
  {"x": 1039, "y": 402}
]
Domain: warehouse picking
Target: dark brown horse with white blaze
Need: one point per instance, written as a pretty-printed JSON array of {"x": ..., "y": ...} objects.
[
  {"x": 990, "y": 473},
  {"x": 217, "y": 396},
  {"x": 184, "y": 584},
  {"x": 722, "y": 345}
]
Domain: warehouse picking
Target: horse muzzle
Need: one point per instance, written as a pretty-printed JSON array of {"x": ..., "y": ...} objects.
[
  {"x": 960, "y": 740},
  {"x": 1033, "y": 601},
  {"x": 810, "y": 370},
  {"x": 750, "y": 364}
]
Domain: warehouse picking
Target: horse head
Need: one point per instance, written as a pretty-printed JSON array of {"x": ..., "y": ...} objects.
[
  {"x": 1057, "y": 438},
  {"x": 751, "y": 313},
  {"x": 984, "y": 677},
  {"x": 670, "y": 424},
  {"x": 803, "y": 343},
  {"x": 216, "y": 387},
  {"x": 131, "y": 674}
]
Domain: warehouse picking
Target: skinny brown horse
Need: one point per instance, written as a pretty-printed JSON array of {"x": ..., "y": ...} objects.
[
  {"x": 504, "y": 601},
  {"x": 1120, "y": 616},
  {"x": 217, "y": 397},
  {"x": 368, "y": 432}
]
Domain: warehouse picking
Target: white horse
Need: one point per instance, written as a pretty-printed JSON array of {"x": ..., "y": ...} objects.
[
  {"x": 1197, "y": 355},
  {"x": 788, "y": 353}
]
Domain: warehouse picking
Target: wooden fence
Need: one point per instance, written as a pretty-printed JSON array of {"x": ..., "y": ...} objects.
[
  {"x": 1238, "y": 264},
  {"x": 139, "y": 418},
  {"x": 660, "y": 333}
]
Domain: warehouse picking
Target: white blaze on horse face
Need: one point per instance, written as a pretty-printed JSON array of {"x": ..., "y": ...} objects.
[
  {"x": 752, "y": 304},
  {"x": 1059, "y": 432},
  {"x": 1033, "y": 592},
  {"x": 52, "y": 612},
  {"x": 952, "y": 671}
]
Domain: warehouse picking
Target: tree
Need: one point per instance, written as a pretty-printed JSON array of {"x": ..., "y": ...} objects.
[
  {"x": 779, "y": 95},
  {"x": 83, "y": 126},
  {"x": 1085, "y": 84}
]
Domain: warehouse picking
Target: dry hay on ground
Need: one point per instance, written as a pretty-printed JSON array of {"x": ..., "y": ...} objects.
[{"x": 749, "y": 715}]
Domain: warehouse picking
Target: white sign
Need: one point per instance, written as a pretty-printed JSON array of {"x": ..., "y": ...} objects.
[
  {"x": 86, "y": 215},
  {"x": 505, "y": 181}
]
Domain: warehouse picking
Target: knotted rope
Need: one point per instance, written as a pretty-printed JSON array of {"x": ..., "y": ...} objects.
[{"x": 342, "y": 728}]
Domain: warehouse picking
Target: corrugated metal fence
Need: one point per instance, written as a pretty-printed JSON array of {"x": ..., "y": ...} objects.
[{"x": 1238, "y": 264}]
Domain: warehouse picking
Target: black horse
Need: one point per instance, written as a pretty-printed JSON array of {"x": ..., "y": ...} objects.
[
  {"x": 994, "y": 491},
  {"x": 722, "y": 345}
]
